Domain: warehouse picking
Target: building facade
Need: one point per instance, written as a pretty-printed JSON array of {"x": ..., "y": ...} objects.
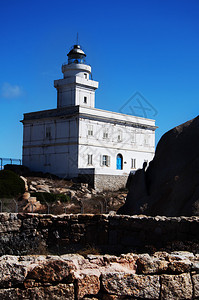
[{"x": 77, "y": 140}]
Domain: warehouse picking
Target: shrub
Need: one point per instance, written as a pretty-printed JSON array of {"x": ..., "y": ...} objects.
[
  {"x": 11, "y": 185},
  {"x": 50, "y": 198}
]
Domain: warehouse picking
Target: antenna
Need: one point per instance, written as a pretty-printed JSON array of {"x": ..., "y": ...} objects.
[{"x": 77, "y": 39}]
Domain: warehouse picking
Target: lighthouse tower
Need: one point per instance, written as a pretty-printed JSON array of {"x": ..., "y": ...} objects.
[{"x": 76, "y": 87}]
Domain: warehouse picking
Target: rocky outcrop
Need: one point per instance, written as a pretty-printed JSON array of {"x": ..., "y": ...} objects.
[
  {"x": 22, "y": 234},
  {"x": 102, "y": 277},
  {"x": 170, "y": 185},
  {"x": 78, "y": 197}
]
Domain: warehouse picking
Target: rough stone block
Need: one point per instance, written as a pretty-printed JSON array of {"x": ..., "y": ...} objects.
[
  {"x": 52, "y": 271},
  {"x": 58, "y": 292},
  {"x": 195, "y": 279},
  {"x": 140, "y": 286},
  {"x": 10, "y": 226},
  {"x": 150, "y": 265},
  {"x": 87, "y": 284},
  {"x": 176, "y": 286},
  {"x": 180, "y": 266},
  {"x": 30, "y": 223},
  {"x": 11, "y": 271}
]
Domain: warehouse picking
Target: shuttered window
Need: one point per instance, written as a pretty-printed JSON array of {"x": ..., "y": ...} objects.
[{"x": 105, "y": 160}]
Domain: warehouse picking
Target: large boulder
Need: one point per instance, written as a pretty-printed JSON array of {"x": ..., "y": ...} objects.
[{"x": 170, "y": 185}]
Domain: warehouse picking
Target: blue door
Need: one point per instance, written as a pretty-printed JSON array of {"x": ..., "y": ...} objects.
[{"x": 119, "y": 162}]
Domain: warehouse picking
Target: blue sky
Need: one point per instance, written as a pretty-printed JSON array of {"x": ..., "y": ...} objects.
[{"x": 145, "y": 46}]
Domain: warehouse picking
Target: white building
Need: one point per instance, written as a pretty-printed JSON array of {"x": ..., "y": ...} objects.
[{"x": 77, "y": 140}]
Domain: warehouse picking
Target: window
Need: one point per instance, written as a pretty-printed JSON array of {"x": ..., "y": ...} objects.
[
  {"x": 146, "y": 139},
  {"x": 133, "y": 137},
  {"x": 85, "y": 75},
  {"x": 90, "y": 159},
  {"x": 105, "y": 133},
  {"x": 133, "y": 163},
  {"x": 85, "y": 99},
  {"x": 119, "y": 136},
  {"x": 48, "y": 132},
  {"x": 90, "y": 130},
  {"x": 105, "y": 160}
]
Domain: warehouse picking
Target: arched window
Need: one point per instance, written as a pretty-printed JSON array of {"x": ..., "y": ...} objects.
[{"x": 119, "y": 162}]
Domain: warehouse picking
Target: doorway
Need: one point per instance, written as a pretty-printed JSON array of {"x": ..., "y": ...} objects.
[{"x": 119, "y": 162}]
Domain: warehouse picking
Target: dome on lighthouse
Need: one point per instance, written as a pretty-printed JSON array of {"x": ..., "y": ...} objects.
[{"x": 76, "y": 55}]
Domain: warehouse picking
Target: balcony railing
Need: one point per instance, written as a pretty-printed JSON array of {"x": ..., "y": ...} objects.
[{"x": 5, "y": 161}]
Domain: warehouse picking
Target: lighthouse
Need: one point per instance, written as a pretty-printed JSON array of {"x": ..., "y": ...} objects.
[
  {"x": 78, "y": 141},
  {"x": 76, "y": 87}
]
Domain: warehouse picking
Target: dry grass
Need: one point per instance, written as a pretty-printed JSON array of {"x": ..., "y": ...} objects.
[{"x": 89, "y": 249}]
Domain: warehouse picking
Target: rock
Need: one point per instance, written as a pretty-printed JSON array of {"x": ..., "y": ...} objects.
[
  {"x": 136, "y": 197},
  {"x": 169, "y": 186},
  {"x": 84, "y": 185},
  {"x": 43, "y": 188},
  {"x": 139, "y": 286},
  {"x": 9, "y": 225},
  {"x": 26, "y": 196},
  {"x": 12, "y": 272},
  {"x": 195, "y": 266},
  {"x": 33, "y": 205},
  {"x": 106, "y": 277},
  {"x": 112, "y": 213},
  {"x": 111, "y": 297},
  {"x": 176, "y": 286},
  {"x": 180, "y": 266},
  {"x": 58, "y": 292},
  {"x": 93, "y": 192},
  {"x": 53, "y": 270},
  {"x": 87, "y": 284},
  {"x": 150, "y": 265},
  {"x": 87, "y": 196},
  {"x": 180, "y": 255},
  {"x": 195, "y": 279},
  {"x": 72, "y": 194},
  {"x": 32, "y": 188},
  {"x": 26, "y": 183}
]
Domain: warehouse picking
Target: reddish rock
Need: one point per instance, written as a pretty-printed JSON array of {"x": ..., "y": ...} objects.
[
  {"x": 87, "y": 284},
  {"x": 51, "y": 271}
]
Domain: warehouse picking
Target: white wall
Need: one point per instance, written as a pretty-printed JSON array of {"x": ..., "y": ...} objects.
[
  {"x": 56, "y": 154},
  {"x": 66, "y": 149},
  {"x": 136, "y": 143}
]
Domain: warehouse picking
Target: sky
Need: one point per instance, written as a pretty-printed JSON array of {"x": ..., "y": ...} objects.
[{"x": 144, "y": 53}]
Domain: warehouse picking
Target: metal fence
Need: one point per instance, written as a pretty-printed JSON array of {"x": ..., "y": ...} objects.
[
  {"x": 5, "y": 161},
  {"x": 12, "y": 205}
]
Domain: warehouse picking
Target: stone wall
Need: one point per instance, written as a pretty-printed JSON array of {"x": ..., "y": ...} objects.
[
  {"x": 97, "y": 277},
  {"x": 109, "y": 182},
  {"x": 22, "y": 234},
  {"x": 102, "y": 182}
]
